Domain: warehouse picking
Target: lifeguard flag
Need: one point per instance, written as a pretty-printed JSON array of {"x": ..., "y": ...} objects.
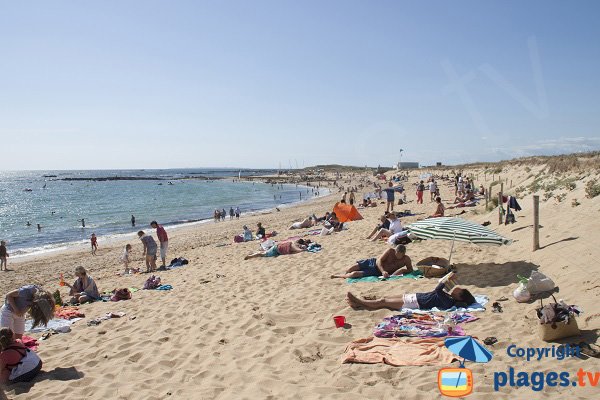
[{"x": 346, "y": 212}]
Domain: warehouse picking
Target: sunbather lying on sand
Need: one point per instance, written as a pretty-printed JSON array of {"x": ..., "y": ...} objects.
[
  {"x": 469, "y": 196},
  {"x": 306, "y": 223},
  {"x": 392, "y": 262},
  {"x": 425, "y": 301},
  {"x": 283, "y": 248}
]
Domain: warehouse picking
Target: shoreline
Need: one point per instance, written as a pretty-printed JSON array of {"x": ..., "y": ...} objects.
[{"x": 117, "y": 238}]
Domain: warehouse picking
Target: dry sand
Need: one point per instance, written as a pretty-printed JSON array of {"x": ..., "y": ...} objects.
[{"x": 262, "y": 328}]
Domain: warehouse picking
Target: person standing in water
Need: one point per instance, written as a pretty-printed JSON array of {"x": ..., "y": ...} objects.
[{"x": 132, "y": 220}]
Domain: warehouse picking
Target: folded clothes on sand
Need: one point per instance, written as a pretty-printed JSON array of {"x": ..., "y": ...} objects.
[
  {"x": 398, "y": 351},
  {"x": 29, "y": 342},
  {"x": 412, "y": 275}
]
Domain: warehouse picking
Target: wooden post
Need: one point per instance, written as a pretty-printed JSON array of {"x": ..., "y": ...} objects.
[
  {"x": 489, "y": 193},
  {"x": 486, "y": 202},
  {"x": 500, "y": 208},
  {"x": 536, "y": 223},
  {"x": 502, "y": 187}
]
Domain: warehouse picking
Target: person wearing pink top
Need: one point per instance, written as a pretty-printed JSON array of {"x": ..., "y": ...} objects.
[{"x": 163, "y": 239}]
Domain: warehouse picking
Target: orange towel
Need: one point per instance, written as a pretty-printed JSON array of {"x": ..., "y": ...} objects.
[{"x": 398, "y": 351}]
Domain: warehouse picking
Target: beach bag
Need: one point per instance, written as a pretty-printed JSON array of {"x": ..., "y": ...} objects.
[
  {"x": 121, "y": 294},
  {"x": 556, "y": 329},
  {"x": 238, "y": 239},
  {"x": 433, "y": 271},
  {"x": 521, "y": 293},
  {"x": 152, "y": 283},
  {"x": 28, "y": 363},
  {"x": 538, "y": 283}
]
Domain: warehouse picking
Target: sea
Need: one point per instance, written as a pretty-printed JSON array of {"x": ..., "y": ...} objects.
[{"x": 59, "y": 200}]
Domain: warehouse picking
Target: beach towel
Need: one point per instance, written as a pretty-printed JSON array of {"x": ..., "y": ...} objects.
[
  {"x": 479, "y": 305},
  {"x": 398, "y": 352},
  {"x": 29, "y": 342},
  {"x": 417, "y": 325},
  {"x": 56, "y": 324},
  {"x": 411, "y": 275},
  {"x": 164, "y": 287}
]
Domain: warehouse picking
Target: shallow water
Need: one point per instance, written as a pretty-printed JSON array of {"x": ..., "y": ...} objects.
[{"x": 107, "y": 206}]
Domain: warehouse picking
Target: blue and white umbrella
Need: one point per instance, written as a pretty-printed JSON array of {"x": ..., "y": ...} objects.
[{"x": 468, "y": 348}]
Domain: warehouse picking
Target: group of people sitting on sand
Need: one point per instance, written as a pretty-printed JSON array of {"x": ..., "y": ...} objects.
[{"x": 17, "y": 362}]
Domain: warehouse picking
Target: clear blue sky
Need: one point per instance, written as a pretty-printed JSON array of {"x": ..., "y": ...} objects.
[{"x": 166, "y": 84}]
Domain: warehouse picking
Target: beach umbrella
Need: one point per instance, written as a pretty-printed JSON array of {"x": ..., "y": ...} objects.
[
  {"x": 446, "y": 228},
  {"x": 468, "y": 349}
]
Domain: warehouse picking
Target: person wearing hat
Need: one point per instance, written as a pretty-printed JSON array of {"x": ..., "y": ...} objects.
[{"x": 163, "y": 239}]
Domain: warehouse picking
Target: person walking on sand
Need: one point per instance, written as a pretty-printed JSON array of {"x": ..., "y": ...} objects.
[
  {"x": 164, "y": 241},
  {"x": 432, "y": 189},
  {"x": 393, "y": 262},
  {"x": 94, "y": 241},
  {"x": 237, "y": 213},
  {"x": 420, "y": 190},
  {"x": 231, "y": 213},
  {"x": 223, "y": 214},
  {"x": 149, "y": 251}
]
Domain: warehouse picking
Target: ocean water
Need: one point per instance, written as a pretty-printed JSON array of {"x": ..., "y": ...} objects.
[{"x": 106, "y": 206}]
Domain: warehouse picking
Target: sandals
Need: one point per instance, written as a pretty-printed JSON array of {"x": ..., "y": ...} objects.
[
  {"x": 587, "y": 349},
  {"x": 490, "y": 340},
  {"x": 497, "y": 307}
]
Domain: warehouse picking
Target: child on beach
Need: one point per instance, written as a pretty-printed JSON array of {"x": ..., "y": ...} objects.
[
  {"x": 84, "y": 288},
  {"x": 125, "y": 258},
  {"x": 17, "y": 362},
  {"x": 94, "y": 241},
  {"x": 3, "y": 255},
  {"x": 30, "y": 298}
]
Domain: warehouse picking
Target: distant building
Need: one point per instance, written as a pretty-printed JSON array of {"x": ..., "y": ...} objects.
[
  {"x": 407, "y": 165},
  {"x": 438, "y": 164}
]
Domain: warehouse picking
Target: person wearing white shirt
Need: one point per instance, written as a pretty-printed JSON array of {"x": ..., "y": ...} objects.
[{"x": 395, "y": 227}]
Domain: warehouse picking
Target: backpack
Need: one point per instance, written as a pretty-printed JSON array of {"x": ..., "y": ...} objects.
[{"x": 29, "y": 361}]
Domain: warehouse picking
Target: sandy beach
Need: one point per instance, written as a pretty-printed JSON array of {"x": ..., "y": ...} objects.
[{"x": 263, "y": 328}]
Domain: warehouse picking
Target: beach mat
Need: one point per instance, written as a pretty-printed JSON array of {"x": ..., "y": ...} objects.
[{"x": 411, "y": 275}]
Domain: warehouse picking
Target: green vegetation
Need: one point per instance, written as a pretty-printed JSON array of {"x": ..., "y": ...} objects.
[{"x": 592, "y": 189}]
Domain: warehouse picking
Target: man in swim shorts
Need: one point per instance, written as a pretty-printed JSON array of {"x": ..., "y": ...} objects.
[
  {"x": 392, "y": 262},
  {"x": 438, "y": 298}
]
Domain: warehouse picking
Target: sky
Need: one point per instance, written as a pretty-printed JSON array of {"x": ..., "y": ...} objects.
[{"x": 259, "y": 84}]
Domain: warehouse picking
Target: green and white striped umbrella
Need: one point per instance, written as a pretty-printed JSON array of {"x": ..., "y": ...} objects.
[
  {"x": 456, "y": 229},
  {"x": 447, "y": 228}
]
